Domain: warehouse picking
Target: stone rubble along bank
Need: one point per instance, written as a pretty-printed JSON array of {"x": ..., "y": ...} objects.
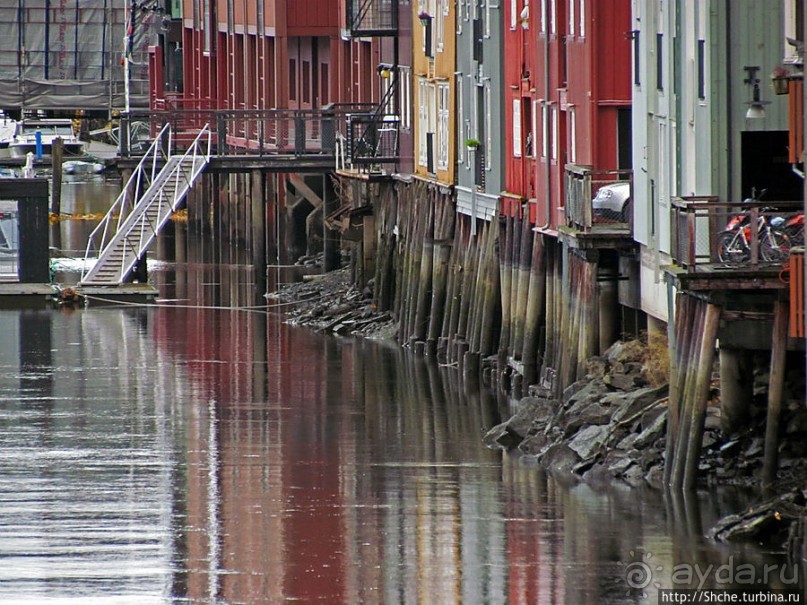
[{"x": 612, "y": 426}]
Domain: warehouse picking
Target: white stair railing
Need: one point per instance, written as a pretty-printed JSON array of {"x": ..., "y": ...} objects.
[{"x": 135, "y": 219}]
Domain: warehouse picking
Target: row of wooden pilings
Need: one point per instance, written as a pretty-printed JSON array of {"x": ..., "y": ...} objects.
[
  {"x": 694, "y": 344},
  {"x": 465, "y": 289}
]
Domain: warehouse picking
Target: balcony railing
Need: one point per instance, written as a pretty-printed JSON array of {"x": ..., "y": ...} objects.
[
  {"x": 612, "y": 212},
  {"x": 372, "y": 17},
  {"x": 373, "y": 139},
  {"x": 711, "y": 235},
  {"x": 242, "y": 132}
]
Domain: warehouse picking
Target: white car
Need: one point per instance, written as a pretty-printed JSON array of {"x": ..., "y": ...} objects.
[{"x": 612, "y": 204}]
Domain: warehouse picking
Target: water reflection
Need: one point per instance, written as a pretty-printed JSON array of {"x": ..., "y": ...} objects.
[{"x": 202, "y": 455}]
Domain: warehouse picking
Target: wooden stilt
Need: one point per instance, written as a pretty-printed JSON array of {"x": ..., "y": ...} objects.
[
  {"x": 775, "y": 388},
  {"x": 534, "y": 313},
  {"x": 701, "y": 393},
  {"x": 689, "y": 365}
]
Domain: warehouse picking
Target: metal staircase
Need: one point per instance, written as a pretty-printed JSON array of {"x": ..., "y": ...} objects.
[{"x": 153, "y": 192}]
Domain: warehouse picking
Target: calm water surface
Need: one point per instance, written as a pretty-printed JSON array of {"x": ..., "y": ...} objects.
[{"x": 193, "y": 454}]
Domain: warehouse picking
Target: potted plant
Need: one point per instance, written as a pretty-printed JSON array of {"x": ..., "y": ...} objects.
[
  {"x": 472, "y": 144},
  {"x": 779, "y": 80}
]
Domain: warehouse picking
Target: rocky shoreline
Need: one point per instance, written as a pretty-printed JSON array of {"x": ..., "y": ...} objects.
[{"x": 611, "y": 426}]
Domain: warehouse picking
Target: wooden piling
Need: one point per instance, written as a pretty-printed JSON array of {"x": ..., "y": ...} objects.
[
  {"x": 522, "y": 292},
  {"x": 701, "y": 393},
  {"x": 57, "y": 155},
  {"x": 775, "y": 389},
  {"x": 451, "y": 317},
  {"x": 443, "y": 231},
  {"x": 258, "y": 236},
  {"x": 426, "y": 234},
  {"x": 689, "y": 367},
  {"x": 491, "y": 294},
  {"x": 589, "y": 317},
  {"x": 506, "y": 280},
  {"x": 535, "y": 311}
]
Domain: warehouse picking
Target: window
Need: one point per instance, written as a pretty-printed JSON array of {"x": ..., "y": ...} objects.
[
  {"x": 306, "y": 81},
  {"x": 554, "y": 111},
  {"x": 534, "y": 131},
  {"x": 582, "y": 18},
  {"x": 571, "y": 17},
  {"x": 637, "y": 78},
  {"x": 572, "y": 136},
  {"x": 431, "y": 117},
  {"x": 488, "y": 127},
  {"x": 517, "y": 128},
  {"x": 323, "y": 84},
  {"x": 292, "y": 80},
  {"x": 405, "y": 88},
  {"x": 438, "y": 16},
  {"x": 460, "y": 118},
  {"x": 545, "y": 131},
  {"x": 443, "y": 112},
  {"x": 543, "y": 17},
  {"x": 702, "y": 69},
  {"x": 206, "y": 29},
  {"x": 513, "y": 14},
  {"x": 659, "y": 62},
  {"x": 423, "y": 121},
  {"x": 553, "y": 26}
]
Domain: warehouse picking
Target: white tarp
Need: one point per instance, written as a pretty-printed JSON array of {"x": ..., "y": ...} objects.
[{"x": 67, "y": 54}]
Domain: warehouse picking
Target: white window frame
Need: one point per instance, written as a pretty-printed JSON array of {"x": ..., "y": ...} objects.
[
  {"x": 553, "y": 22},
  {"x": 513, "y": 14},
  {"x": 423, "y": 121},
  {"x": 517, "y": 127},
  {"x": 572, "y": 135},
  {"x": 572, "y": 23},
  {"x": 554, "y": 112},
  {"x": 405, "y": 91},
  {"x": 534, "y": 127},
  {"x": 443, "y": 126},
  {"x": 431, "y": 111},
  {"x": 543, "y": 17},
  {"x": 582, "y": 27},
  {"x": 487, "y": 18},
  {"x": 440, "y": 6},
  {"x": 544, "y": 130},
  {"x": 460, "y": 119},
  {"x": 488, "y": 127}
]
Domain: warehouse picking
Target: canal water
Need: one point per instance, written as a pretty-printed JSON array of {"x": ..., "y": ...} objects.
[{"x": 202, "y": 451}]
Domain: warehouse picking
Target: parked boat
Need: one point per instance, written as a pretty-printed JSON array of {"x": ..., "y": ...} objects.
[
  {"x": 8, "y": 130},
  {"x": 25, "y": 140},
  {"x": 82, "y": 167}
]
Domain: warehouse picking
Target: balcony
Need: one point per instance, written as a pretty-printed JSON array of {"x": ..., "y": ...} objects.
[
  {"x": 372, "y": 17},
  {"x": 737, "y": 245},
  {"x": 599, "y": 206}
]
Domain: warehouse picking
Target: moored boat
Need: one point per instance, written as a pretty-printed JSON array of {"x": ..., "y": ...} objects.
[{"x": 46, "y": 130}]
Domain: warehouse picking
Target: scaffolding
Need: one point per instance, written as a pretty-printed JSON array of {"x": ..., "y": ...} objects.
[{"x": 66, "y": 55}]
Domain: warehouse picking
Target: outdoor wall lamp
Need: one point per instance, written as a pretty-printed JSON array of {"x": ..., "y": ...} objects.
[{"x": 756, "y": 106}]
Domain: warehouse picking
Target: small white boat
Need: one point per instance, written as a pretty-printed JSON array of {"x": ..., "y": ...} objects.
[
  {"x": 8, "y": 130},
  {"x": 46, "y": 130},
  {"x": 82, "y": 167}
]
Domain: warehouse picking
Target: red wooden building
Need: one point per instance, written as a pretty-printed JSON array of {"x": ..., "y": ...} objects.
[
  {"x": 567, "y": 96},
  {"x": 268, "y": 54}
]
